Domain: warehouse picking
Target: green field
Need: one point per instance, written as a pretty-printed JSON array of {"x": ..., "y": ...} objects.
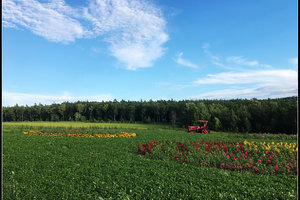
[
  {"x": 43, "y": 167},
  {"x": 86, "y": 125}
]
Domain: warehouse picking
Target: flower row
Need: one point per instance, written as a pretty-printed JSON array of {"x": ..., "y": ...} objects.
[
  {"x": 122, "y": 134},
  {"x": 233, "y": 156},
  {"x": 279, "y": 146}
]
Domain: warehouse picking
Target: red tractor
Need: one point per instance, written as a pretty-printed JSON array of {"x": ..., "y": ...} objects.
[{"x": 199, "y": 129}]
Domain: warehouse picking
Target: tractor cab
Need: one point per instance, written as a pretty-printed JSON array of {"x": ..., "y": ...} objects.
[{"x": 201, "y": 128}]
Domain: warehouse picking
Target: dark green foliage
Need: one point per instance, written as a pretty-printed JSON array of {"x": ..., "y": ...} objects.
[{"x": 253, "y": 116}]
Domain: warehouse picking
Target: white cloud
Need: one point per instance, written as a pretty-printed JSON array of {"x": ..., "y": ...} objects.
[
  {"x": 278, "y": 77},
  {"x": 248, "y": 93},
  {"x": 205, "y": 46},
  {"x": 13, "y": 98},
  {"x": 260, "y": 84},
  {"x": 241, "y": 61},
  {"x": 294, "y": 61},
  {"x": 216, "y": 60},
  {"x": 42, "y": 19},
  {"x": 135, "y": 29},
  {"x": 184, "y": 62},
  {"x": 231, "y": 62}
]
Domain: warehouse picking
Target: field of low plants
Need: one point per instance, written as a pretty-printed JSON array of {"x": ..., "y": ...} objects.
[{"x": 136, "y": 161}]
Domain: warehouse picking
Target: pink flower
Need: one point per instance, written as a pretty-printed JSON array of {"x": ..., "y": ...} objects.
[
  {"x": 247, "y": 164},
  {"x": 259, "y": 161},
  {"x": 276, "y": 167},
  {"x": 222, "y": 165},
  {"x": 228, "y": 156},
  {"x": 269, "y": 161},
  {"x": 270, "y": 157}
]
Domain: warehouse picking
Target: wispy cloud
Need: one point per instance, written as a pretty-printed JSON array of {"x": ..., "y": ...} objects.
[
  {"x": 13, "y": 98},
  {"x": 179, "y": 60},
  {"x": 241, "y": 61},
  {"x": 258, "y": 76},
  {"x": 135, "y": 29},
  {"x": 231, "y": 62},
  {"x": 43, "y": 19},
  {"x": 294, "y": 61},
  {"x": 260, "y": 84},
  {"x": 248, "y": 93},
  {"x": 216, "y": 60}
]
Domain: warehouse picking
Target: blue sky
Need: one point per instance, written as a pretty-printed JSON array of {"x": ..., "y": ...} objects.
[{"x": 101, "y": 50}]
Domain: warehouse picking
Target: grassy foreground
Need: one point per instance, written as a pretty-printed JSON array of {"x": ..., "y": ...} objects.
[{"x": 43, "y": 167}]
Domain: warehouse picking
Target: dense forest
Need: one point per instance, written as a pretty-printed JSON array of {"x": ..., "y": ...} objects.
[{"x": 239, "y": 115}]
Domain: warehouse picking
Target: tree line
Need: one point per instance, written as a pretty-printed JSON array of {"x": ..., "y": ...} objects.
[{"x": 237, "y": 115}]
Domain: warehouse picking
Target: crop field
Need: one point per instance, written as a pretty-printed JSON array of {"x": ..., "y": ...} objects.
[{"x": 68, "y": 160}]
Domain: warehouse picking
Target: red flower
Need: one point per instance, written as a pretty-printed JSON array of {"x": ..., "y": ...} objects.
[
  {"x": 269, "y": 161},
  {"x": 276, "y": 168},
  {"x": 222, "y": 165}
]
